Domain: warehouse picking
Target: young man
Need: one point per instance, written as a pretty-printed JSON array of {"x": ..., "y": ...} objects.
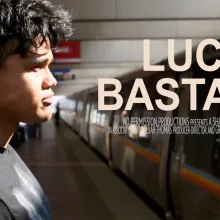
[{"x": 29, "y": 31}]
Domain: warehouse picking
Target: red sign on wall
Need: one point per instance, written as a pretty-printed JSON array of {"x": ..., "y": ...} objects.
[{"x": 68, "y": 52}]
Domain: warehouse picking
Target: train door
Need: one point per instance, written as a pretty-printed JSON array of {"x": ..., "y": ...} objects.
[
  {"x": 108, "y": 143},
  {"x": 87, "y": 119},
  {"x": 79, "y": 113},
  {"x": 107, "y": 125},
  {"x": 177, "y": 147},
  {"x": 194, "y": 163},
  {"x": 83, "y": 115}
]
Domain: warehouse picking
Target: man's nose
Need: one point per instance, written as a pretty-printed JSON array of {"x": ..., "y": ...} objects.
[{"x": 49, "y": 80}]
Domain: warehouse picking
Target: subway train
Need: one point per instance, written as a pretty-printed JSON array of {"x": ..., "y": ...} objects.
[{"x": 179, "y": 171}]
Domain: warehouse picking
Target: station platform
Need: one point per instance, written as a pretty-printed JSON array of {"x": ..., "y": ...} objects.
[{"x": 78, "y": 184}]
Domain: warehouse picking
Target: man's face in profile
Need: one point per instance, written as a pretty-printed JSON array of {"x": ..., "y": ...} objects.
[{"x": 25, "y": 86}]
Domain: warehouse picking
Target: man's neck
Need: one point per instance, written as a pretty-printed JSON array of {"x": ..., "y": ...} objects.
[{"x": 7, "y": 130}]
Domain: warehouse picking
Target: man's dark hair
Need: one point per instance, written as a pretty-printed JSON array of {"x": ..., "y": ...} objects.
[{"x": 25, "y": 20}]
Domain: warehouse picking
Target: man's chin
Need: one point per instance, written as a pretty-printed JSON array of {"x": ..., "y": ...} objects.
[
  {"x": 39, "y": 117},
  {"x": 46, "y": 117},
  {"x": 43, "y": 116}
]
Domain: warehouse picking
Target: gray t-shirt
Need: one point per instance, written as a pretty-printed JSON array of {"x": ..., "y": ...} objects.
[{"x": 21, "y": 197}]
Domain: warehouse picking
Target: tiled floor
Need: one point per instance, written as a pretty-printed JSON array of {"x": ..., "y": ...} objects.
[{"x": 78, "y": 184}]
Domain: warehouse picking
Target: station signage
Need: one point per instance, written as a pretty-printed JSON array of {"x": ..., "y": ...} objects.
[
  {"x": 68, "y": 53},
  {"x": 63, "y": 74}
]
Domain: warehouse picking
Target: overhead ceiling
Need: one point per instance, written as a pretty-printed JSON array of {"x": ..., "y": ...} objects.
[{"x": 111, "y": 59}]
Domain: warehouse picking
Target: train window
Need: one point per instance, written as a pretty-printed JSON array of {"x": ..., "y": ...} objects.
[
  {"x": 79, "y": 107},
  {"x": 144, "y": 136},
  {"x": 93, "y": 114},
  {"x": 107, "y": 119},
  {"x": 87, "y": 112},
  {"x": 133, "y": 128},
  {"x": 116, "y": 119},
  {"x": 147, "y": 138},
  {"x": 69, "y": 105},
  {"x": 99, "y": 118},
  {"x": 123, "y": 115},
  {"x": 73, "y": 105},
  {"x": 103, "y": 117}
]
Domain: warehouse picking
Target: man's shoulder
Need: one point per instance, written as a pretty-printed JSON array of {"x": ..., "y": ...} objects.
[
  {"x": 11, "y": 151},
  {"x": 8, "y": 155},
  {"x": 5, "y": 213},
  {"x": 12, "y": 159}
]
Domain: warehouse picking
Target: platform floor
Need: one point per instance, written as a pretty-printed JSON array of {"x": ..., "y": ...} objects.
[{"x": 78, "y": 184}]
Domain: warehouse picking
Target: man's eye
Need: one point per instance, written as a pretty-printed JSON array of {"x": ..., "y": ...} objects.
[{"x": 35, "y": 68}]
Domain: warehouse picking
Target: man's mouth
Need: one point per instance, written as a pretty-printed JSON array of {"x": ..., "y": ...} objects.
[{"x": 48, "y": 100}]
